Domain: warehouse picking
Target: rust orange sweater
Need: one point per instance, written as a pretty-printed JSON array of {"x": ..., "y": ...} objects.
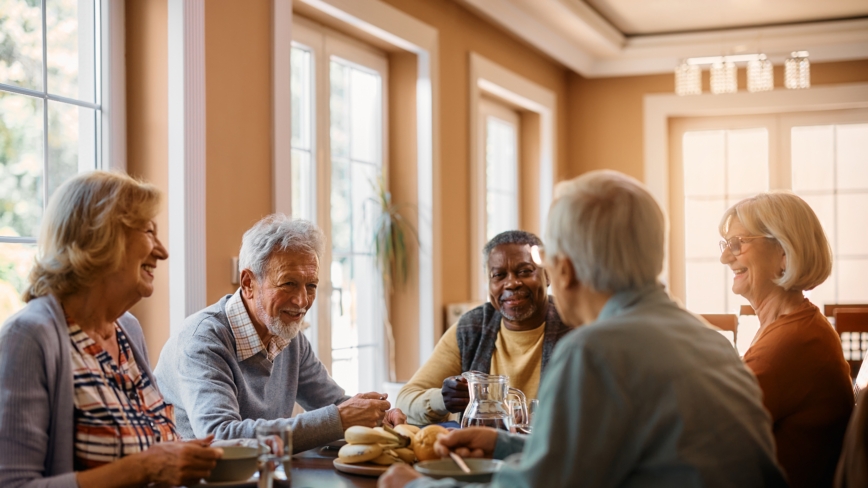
[{"x": 806, "y": 388}]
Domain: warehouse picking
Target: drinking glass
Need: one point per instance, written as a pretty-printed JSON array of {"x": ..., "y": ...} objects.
[
  {"x": 275, "y": 449},
  {"x": 532, "y": 408}
]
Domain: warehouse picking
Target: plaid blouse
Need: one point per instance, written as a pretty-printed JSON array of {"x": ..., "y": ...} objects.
[{"x": 118, "y": 411}]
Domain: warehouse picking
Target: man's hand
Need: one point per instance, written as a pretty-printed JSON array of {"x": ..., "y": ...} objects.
[
  {"x": 456, "y": 396},
  {"x": 181, "y": 463},
  {"x": 394, "y": 417},
  {"x": 472, "y": 442},
  {"x": 397, "y": 476},
  {"x": 365, "y": 409}
]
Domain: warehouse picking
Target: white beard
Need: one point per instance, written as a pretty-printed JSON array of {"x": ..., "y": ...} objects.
[{"x": 276, "y": 326}]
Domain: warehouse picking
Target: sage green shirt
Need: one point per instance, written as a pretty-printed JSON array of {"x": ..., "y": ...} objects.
[{"x": 646, "y": 396}]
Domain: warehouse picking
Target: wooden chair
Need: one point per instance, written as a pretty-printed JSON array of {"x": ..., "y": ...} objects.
[
  {"x": 829, "y": 308},
  {"x": 746, "y": 310},
  {"x": 852, "y": 327},
  {"x": 724, "y": 321}
]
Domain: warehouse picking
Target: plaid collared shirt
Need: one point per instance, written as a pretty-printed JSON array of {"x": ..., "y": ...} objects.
[
  {"x": 118, "y": 411},
  {"x": 247, "y": 340}
]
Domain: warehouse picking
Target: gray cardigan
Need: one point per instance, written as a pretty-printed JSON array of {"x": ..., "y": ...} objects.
[
  {"x": 215, "y": 393},
  {"x": 37, "y": 420}
]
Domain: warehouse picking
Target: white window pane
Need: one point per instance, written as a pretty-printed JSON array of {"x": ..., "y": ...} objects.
[
  {"x": 21, "y": 27},
  {"x": 853, "y": 224},
  {"x": 365, "y": 110},
  {"x": 824, "y": 207},
  {"x": 345, "y": 367},
  {"x": 748, "y": 161},
  {"x": 500, "y": 155},
  {"x": 341, "y": 211},
  {"x": 21, "y": 169},
  {"x": 302, "y": 98},
  {"x": 71, "y": 142},
  {"x": 704, "y": 163},
  {"x": 302, "y": 185},
  {"x": 71, "y": 55},
  {"x": 705, "y": 287},
  {"x": 15, "y": 263},
  {"x": 339, "y": 109},
  {"x": 853, "y": 281},
  {"x": 364, "y": 206},
  {"x": 853, "y": 156},
  {"x": 813, "y": 154},
  {"x": 701, "y": 235},
  {"x": 500, "y": 213}
]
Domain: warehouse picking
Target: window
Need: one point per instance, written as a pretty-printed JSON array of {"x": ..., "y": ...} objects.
[
  {"x": 500, "y": 133},
  {"x": 339, "y": 192},
  {"x": 50, "y": 120},
  {"x": 822, "y": 157}
]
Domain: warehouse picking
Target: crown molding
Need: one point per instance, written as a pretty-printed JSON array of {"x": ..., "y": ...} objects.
[{"x": 583, "y": 41}]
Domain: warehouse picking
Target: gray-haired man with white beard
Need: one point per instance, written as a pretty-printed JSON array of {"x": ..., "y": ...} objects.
[{"x": 241, "y": 363}]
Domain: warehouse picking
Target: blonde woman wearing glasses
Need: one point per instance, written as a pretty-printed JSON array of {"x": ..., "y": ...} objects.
[{"x": 775, "y": 246}]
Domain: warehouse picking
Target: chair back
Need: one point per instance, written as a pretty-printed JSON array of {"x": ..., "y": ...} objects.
[
  {"x": 724, "y": 321},
  {"x": 829, "y": 308},
  {"x": 746, "y": 310},
  {"x": 852, "y": 327}
]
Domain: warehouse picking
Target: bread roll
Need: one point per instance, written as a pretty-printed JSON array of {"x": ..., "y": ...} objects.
[{"x": 425, "y": 439}]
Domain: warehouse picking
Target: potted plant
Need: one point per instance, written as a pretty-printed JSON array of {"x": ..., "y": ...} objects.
[{"x": 392, "y": 237}]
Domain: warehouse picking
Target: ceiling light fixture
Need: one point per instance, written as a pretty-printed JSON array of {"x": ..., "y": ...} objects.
[
  {"x": 797, "y": 71},
  {"x": 688, "y": 79},
  {"x": 760, "y": 74},
  {"x": 723, "y": 77}
]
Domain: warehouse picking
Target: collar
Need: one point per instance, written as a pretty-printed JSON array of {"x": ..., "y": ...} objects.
[
  {"x": 247, "y": 341},
  {"x": 623, "y": 300}
]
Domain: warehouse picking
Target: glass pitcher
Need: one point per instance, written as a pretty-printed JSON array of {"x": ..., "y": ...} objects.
[{"x": 489, "y": 404}]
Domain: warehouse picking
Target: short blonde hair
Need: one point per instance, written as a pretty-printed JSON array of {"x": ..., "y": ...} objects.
[
  {"x": 83, "y": 232},
  {"x": 795, "y": 226},
  {"x": 611, "y": 228}
]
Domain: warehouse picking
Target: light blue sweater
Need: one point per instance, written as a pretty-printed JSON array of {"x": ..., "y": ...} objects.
[
  {"x": 37, "y": 419},
  {"x": 215, "y": 393},
  {"x": 646, "y": 396}
]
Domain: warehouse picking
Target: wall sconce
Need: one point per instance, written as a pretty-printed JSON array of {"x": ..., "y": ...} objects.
[{"x": 797, "y": 71}]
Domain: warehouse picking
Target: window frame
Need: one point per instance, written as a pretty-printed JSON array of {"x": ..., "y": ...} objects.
[
  {"x": 491, "y": 108},
  {"x": 325, "y": 43},
  {"x": 109, "y": 96},
  {"x": 779, "y": 127}
]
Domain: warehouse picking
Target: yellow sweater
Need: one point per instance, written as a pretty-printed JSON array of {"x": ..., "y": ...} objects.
[{"x": 517, "y": 354}]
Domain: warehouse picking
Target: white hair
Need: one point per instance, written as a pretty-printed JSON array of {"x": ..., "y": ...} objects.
[
  {"x": 610, "y": 227},
  {"x": 278, "y": 232}
]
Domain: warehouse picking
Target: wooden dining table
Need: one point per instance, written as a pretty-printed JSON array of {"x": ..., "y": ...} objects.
[{"x": 314, "y": 469}]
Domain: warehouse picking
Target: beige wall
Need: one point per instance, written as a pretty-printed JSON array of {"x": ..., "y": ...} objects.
[
  {"x": 462, "y": 32},
  {"x": 148, "y": 141},
  {"x": 238, "y": 130},
  {"x": 605, "y": 114}
]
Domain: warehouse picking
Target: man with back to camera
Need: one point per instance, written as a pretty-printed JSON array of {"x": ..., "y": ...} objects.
[
  {"x": 241, "y": 363},
  {"x": 643, "y": 394},
  {"x": 513, "y": 334}
]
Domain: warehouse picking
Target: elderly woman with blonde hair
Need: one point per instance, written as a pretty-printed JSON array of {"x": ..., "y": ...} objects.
[
  {"x": 79, "y": 406},
  {"x": 776, "y": 248}
]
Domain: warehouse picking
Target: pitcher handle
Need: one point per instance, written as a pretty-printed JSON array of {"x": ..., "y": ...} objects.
[{"x": 522, "y": 400}]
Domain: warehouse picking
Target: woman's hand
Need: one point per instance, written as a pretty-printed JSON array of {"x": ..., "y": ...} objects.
[
  {"x": 180, "y": 463},
  {"x": 470, "y": 442},
  {"x": 397, "y": 476}
]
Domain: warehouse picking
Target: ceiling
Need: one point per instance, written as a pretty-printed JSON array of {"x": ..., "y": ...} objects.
[
  {"x": 601, "y": 38},
  {"x": 633, "y": 17}
]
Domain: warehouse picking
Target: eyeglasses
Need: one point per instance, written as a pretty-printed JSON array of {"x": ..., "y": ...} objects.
[{"x": 734, "y": 243}]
